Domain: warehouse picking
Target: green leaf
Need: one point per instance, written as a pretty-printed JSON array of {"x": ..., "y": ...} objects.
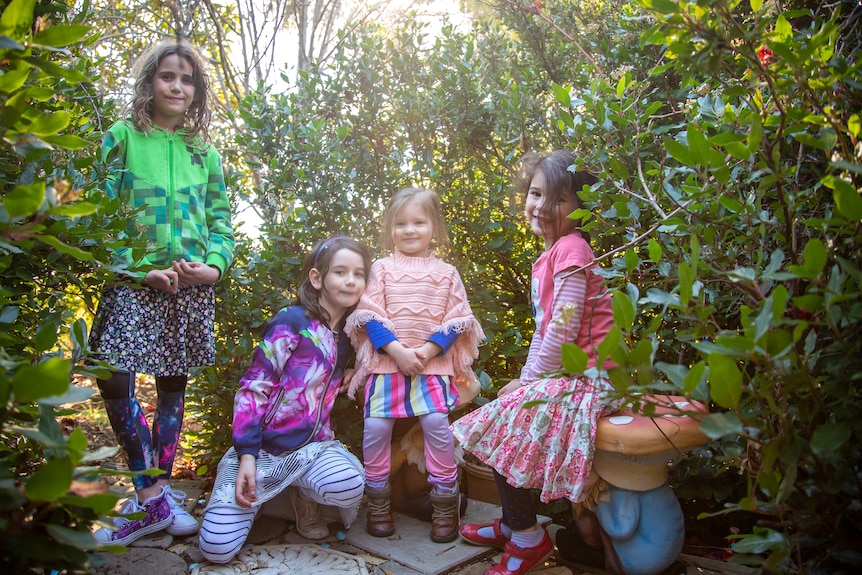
[
  {"x": 755, "y": 135},
  {"x": 694, "y": 377},
  {"x": 642, "y": 353},
  {"x": 51, "y": 482},
  {"x": 562, "y": 95},
  {"x": 74, "y": 394},
  {"x": 73, "y": 251},
  {"x": 662, "y": 6},
  {"x": 761, "y": 541},
  {"x": 52, "y": 69},
  {"x": 17, "y": 18},
  {"x": 624, "y": 310},
  {"x": 75, "y": 210},
  {"x": 686, "y": 283},
  {"x": 59, "y": 36},
  {"x": 49, "y": 124},
  {"x": 829, "y": 437},
  {"x": 756, "y": 4},
  {"x": 783, "y": 30},
  {"x": 574, "y": 359},
  {"x": 725, "y": 380},
  {"x": 678, "y": 151},
  {"x": 632, "y": 260},
  {"x": 46, "y": 337},
  {"x": 33, "y": 382},
  {"x": 697, "y": 145},
  {"x": 14, "y": 78},
  {"x": 67, "y": 141},
  {"x": 655, "y": 251},
  {"x": 675, "y": 373},
  {"x": 24, "y": 200},
  {"x": 101, "y": 503},
  {"x": 847, "y": 200},
  {"x": 738, "y": 150},
  {"x": 854, "y": 125},
  {"x": 618, "y": 168},
  {"x": 621, "y": 86},
  {"x": 72, "y": 537},
  {"x": 718, "y": 425},
  {"x": 814, "y": 256}
]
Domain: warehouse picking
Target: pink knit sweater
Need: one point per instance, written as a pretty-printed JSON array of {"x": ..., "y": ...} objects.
[{"x": 415, "y": 298}]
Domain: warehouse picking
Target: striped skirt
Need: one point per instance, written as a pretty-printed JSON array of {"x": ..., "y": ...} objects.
[{"x": 396, "y": 396}]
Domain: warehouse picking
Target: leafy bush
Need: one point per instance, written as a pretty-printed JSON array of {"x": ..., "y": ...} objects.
[{"x": 53, "y": 252}]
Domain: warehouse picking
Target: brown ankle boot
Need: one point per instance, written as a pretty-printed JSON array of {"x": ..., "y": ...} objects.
[
  {"x": 445, "y": 519},
  {"x": 379, "y": 520}
]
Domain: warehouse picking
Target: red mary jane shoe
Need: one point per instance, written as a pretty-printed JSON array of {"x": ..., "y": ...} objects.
[
  {"x": 470, "y": 534},
  {"x": 530, "y": 557}
]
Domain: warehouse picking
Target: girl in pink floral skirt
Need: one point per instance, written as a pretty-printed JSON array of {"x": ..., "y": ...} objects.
[{"x": 547, "y": 445}]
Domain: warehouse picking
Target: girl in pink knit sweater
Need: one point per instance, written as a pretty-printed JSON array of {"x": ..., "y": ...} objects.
[{"x": 414, "y": 334}]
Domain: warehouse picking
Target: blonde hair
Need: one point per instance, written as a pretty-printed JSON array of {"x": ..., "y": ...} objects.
[
  {"x": 140, "y": 109},
  {"x": 430, "y": 204}
]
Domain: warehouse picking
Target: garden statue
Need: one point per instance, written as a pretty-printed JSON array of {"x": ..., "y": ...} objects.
[{"x": 632, "y": 523}]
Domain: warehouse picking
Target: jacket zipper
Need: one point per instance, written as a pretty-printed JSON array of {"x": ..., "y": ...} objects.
[
  {"x": 274, "y": 408},
  {"x": 171, "y": 215}
]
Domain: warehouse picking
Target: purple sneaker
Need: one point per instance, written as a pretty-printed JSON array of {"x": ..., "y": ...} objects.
[{"x": 126, "y": 531}]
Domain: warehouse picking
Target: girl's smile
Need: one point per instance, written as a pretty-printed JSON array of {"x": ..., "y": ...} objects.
[{"x": 412, "y": 231}]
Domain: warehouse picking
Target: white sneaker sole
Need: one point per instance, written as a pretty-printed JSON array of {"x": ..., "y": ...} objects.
[{"x": 182, "y": 530}]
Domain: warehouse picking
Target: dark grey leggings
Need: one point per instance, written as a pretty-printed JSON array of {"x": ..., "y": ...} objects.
[{"x": 519, "y": 505}]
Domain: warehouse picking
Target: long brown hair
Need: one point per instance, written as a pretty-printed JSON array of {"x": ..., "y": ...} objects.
[
  {"x": 140, "y": 109},
  {"x": 559, "y": 180}
]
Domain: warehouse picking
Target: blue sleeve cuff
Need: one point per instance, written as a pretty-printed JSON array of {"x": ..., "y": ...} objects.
[
  {"x": 378, "y": 334},
  {"x": 444, "y": 340}
]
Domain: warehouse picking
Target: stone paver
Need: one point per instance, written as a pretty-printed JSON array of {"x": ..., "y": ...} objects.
[
  {"x": 141, "y": 561},
  {"x": 411, "y": 545},
  {"x": 409, "y": 552}
]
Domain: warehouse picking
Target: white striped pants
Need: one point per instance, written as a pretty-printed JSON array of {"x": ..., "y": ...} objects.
[{"x": 332, "y": 479}]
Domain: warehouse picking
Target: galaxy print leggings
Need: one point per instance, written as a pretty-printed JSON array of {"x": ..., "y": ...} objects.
[{"x": 143, "y": 449}]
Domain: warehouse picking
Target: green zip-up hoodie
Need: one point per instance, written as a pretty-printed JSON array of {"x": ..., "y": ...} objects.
[{"x": 181, "y": 187}]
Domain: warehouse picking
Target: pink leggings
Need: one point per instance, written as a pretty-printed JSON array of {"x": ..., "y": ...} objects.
[{"x": 439, "y": 449}]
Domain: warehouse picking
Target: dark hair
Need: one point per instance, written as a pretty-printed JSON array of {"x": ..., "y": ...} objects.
[
  {"x": 559, "y": 180},
  {"x": 430, "y": 204},
  {"x": 140, "y": 109},
  {"x": 320, "y": 257}
]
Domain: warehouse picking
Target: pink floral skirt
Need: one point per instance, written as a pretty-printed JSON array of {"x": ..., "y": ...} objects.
[{"x": 541, "y": 436}]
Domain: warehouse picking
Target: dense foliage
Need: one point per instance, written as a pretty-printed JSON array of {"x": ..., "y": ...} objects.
[
  {"x": 54, "y": 252},
  {"x": 727, "y": 137}
]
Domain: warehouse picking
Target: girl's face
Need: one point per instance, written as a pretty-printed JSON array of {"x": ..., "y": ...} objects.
[
  {"x": 173, "y": 92},
  {"x": 342, "y": 285},
  {"x": 412, "y": 231},
  {"x": 546, "y": 220}
]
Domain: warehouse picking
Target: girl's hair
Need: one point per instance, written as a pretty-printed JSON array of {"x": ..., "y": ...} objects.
[
  {"x": 559, "y": 180},
  {"x": 140, "y": 109},
  {"x": 430, "y": 204},
  {"x": 320, "y": 257}
]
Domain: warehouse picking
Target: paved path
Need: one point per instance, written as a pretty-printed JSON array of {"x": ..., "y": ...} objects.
[{"x": 409, "y": 552}]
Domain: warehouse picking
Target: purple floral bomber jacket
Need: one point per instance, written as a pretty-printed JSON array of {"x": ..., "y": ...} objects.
[{"x": 285, "y": 398}]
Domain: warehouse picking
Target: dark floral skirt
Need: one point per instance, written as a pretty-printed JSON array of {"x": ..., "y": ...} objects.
[{"x": 154, "y": 332}]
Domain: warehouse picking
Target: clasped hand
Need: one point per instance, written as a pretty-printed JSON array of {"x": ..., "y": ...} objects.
[
  {"x": 181, "y": 273},
  {"x": 411, "y": 360}
]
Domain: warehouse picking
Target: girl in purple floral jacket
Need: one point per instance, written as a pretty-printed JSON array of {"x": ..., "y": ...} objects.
[{"x": 282, "y": 435}]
